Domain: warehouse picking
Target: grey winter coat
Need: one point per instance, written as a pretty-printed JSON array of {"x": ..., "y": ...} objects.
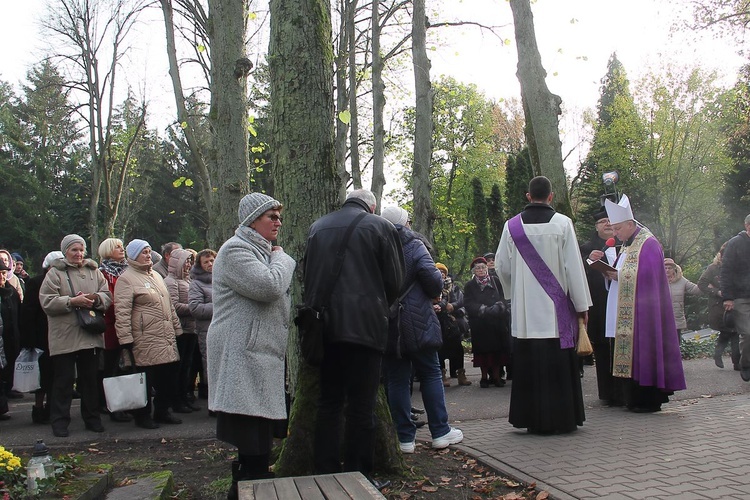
[
  {"x": 178, "y": 284},
  {"x": 247, "y": 337},
  {"x": 200, "y": 297},
  {"x": 65, "y": 335}
]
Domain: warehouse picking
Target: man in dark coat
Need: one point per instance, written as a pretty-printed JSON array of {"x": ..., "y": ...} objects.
[
  {"x": 735, "y": 288},
  {"x": 594, "y": 250},
  {"x": 356, "y": 325}
]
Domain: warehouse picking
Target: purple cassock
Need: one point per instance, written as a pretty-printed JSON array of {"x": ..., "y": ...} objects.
[{"x": 656, "y": 347}]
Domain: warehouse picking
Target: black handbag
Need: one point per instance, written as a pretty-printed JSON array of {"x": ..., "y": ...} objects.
[
  {"x": 310, "y": 320},
  {"x": 90, "y": 320}
]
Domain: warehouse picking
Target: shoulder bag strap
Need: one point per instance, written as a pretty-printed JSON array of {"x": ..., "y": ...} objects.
[{"x": 336, "y": 269}]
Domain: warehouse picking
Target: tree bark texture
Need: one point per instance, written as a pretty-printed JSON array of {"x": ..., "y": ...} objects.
[
  {"x": 354, "y": 159},
  {"x": 187, "y": 123},
  {"x": 423, "y": 217},
  {"x": 342, "y": 97},
  {"x": 378, "y": 104},
  {"x": 541, "y": 107},
  {"x": 228, "y": 113}
]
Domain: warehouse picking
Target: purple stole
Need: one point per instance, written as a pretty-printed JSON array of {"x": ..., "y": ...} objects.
[{"x": 567, "y": 321}]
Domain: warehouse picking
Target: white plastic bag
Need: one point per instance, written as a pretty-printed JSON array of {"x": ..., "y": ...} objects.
[
  {"x": 26, "y": 373},
  {"x": 126, "y": 392}
]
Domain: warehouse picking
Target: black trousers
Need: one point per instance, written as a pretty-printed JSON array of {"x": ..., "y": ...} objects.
[
  {"x": 86, "y": 363},
  {"x": 349, "y": 375},
  {"x": 161, "y": 380},
  {"x": 186, "y": 345}
]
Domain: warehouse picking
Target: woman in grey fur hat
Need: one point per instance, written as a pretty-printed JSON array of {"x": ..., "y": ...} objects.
[{"x": 247, "y": 337}]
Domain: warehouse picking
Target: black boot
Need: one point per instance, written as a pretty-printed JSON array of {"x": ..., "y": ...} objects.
[
  {"x": 237, "y": 472},
  {"x": 40, "y": 415},
  {"x": 717, "y": 355}
]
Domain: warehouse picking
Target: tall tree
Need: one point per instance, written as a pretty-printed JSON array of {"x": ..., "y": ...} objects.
[
  {"x": 479, "y": 217},
  {"x": 420, "y": 181},
  {"x": 495, "y": 215},
  {"x": 230, "y": 68},
  {"x": 541, "y": 107},
  {"x": 736, "y": 197},
  {"x": 619, "y": 144},
  {"x": 518, "y": 173}
]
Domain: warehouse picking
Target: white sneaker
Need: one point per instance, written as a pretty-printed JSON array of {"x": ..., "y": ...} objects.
[
  {"x": 407, "y": 447},
  {"x": 454, "y": 436}
]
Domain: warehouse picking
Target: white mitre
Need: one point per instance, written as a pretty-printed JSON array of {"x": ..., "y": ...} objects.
[{"x": 619, "y": 212}]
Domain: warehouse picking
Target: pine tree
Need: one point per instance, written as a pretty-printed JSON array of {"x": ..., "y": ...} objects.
[
  {"x": 479, "y": 217},
  {"x": 618, "y": 145},
  {"x": 737, "y": 181},
  {"x": 518, "y": 173},
  {"x": 495, "y": 215}
]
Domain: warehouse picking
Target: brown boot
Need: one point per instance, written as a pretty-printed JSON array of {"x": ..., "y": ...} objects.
[
  {"x": 446, "y": 380},
  {"x": 462, "y": 380}
]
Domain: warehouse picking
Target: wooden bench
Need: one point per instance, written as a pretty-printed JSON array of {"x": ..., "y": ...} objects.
[{"x": 342, "y": 486}]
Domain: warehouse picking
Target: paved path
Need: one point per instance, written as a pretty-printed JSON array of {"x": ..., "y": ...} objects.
[{"x": 694, "y": 449}]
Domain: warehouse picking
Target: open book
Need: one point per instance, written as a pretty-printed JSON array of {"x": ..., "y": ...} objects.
[{"x": 600, "y": 265}]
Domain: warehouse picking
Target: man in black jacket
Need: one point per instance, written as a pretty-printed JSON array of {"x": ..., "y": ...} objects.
[
  {"x": 735, "y": 288},
  {"x": 356, "y": 325}
]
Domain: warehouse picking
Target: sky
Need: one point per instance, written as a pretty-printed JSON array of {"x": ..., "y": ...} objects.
[{"x": 575, "y": 37}]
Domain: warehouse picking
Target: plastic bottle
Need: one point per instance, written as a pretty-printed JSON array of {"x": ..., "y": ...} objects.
[{"x": 40, "y": 466}]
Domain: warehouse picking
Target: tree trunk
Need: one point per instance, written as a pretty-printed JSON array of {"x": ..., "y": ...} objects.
[
  {"x": 228, "y": 113},
  {"x": 187, "y": 123},
  {"x": 541, "y": 107},
  {"x": 342, "y": 97},
  {"x": 378, "y": 104},
  {"x": 423, "y": 217},
  {"x": 353, "y": 109},
  {"x": 307, "y": 182}
]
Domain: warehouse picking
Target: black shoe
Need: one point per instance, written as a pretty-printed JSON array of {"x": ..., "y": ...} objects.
[
  {"x": 95, "y": 427},
  {"x": 646, "y": 409},
  {"x": 193, "y": 406},
  {"x": 418, "y": 411},
  {"x": 484, "y": 383},
  {"x": 380, "y": 485},
  {"x": 167, "y": 418},
  {"x": 146, "y": 423},
  {"x": 120, "y": 416},
  {"x": 40, "y": 415},
  {"x": 182, "y": 408},
  {"x": 499, "y": 382},
  {"x": 5, "y": 416},
  {"x": 211, "y": 413},
  {"x": 61, "y": 433},
  {"x": 745, "y": 373},
  {"x": 419, "y": 423},
  {"x": 14, "y": 394},
  {"x": 718, "y": 361}
]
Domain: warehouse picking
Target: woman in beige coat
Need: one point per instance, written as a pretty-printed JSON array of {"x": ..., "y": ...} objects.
[
  {"x": 73, "y": 282},
  {"x": 147, "y": 325}
]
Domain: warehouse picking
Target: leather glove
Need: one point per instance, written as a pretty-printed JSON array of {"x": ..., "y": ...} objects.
[{"x": 128, "y": 346}]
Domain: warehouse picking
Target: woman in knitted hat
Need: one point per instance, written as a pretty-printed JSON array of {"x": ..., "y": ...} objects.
[
  {"x": 488, "y": 320},
  {"x": 679, "y": 286},
  {"x": 147, "y": 325},
  {"x": 247, "y": 337},
  {"x": 73, "y": 282}
]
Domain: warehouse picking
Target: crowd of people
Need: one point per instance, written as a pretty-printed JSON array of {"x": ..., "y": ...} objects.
[{"x": 219, "y": 321}]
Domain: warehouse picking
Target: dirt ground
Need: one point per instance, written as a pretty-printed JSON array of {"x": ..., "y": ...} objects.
[{"x": 201, "y": 471}]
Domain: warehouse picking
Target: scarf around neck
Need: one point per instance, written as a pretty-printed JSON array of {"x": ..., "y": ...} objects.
[
  {"x": 113, "y": 267},
  {"x": 253, "y": 237}
]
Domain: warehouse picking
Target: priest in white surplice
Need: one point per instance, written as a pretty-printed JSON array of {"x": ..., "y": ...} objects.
[{"x": 541, "y": 270}]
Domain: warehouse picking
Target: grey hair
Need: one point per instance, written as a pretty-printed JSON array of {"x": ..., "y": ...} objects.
[{"x": 364, "y": 195}]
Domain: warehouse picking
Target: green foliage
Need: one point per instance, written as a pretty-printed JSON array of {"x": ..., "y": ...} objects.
[
  {"x": 697, "y": 347},
  {"x": 736, "y": 197},
  {"x": 518, "y": 174},
  {"x": 495, "y": 216},
  {"x": 479, "y": 217}
]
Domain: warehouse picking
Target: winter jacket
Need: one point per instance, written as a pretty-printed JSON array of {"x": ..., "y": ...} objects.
[
  {"x": 178, "y": 284},
  {"x": 370, "y": 280},
  {"x": 710, "y": 284},
  {"x": 160, "y": 267},
  {"x": 418, "y": 327},
  {"x": 679, "y": 286},
  {"x": 451, "y": 322},
  {"x": 15, "y": 281},
  {"x": 200, "y": 297},
  {"x": 488, "y": 317},
  {"x": 145, "y": 317},
  {"x": 65, "y": 335},
  {"x": 735, "y": 268},
  {"x": 9, "y": 317},
  {"x": 247, "y": 338}
]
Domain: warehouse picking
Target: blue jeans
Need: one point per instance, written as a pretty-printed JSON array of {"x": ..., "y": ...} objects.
[{"x": 398, "y": 374}]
